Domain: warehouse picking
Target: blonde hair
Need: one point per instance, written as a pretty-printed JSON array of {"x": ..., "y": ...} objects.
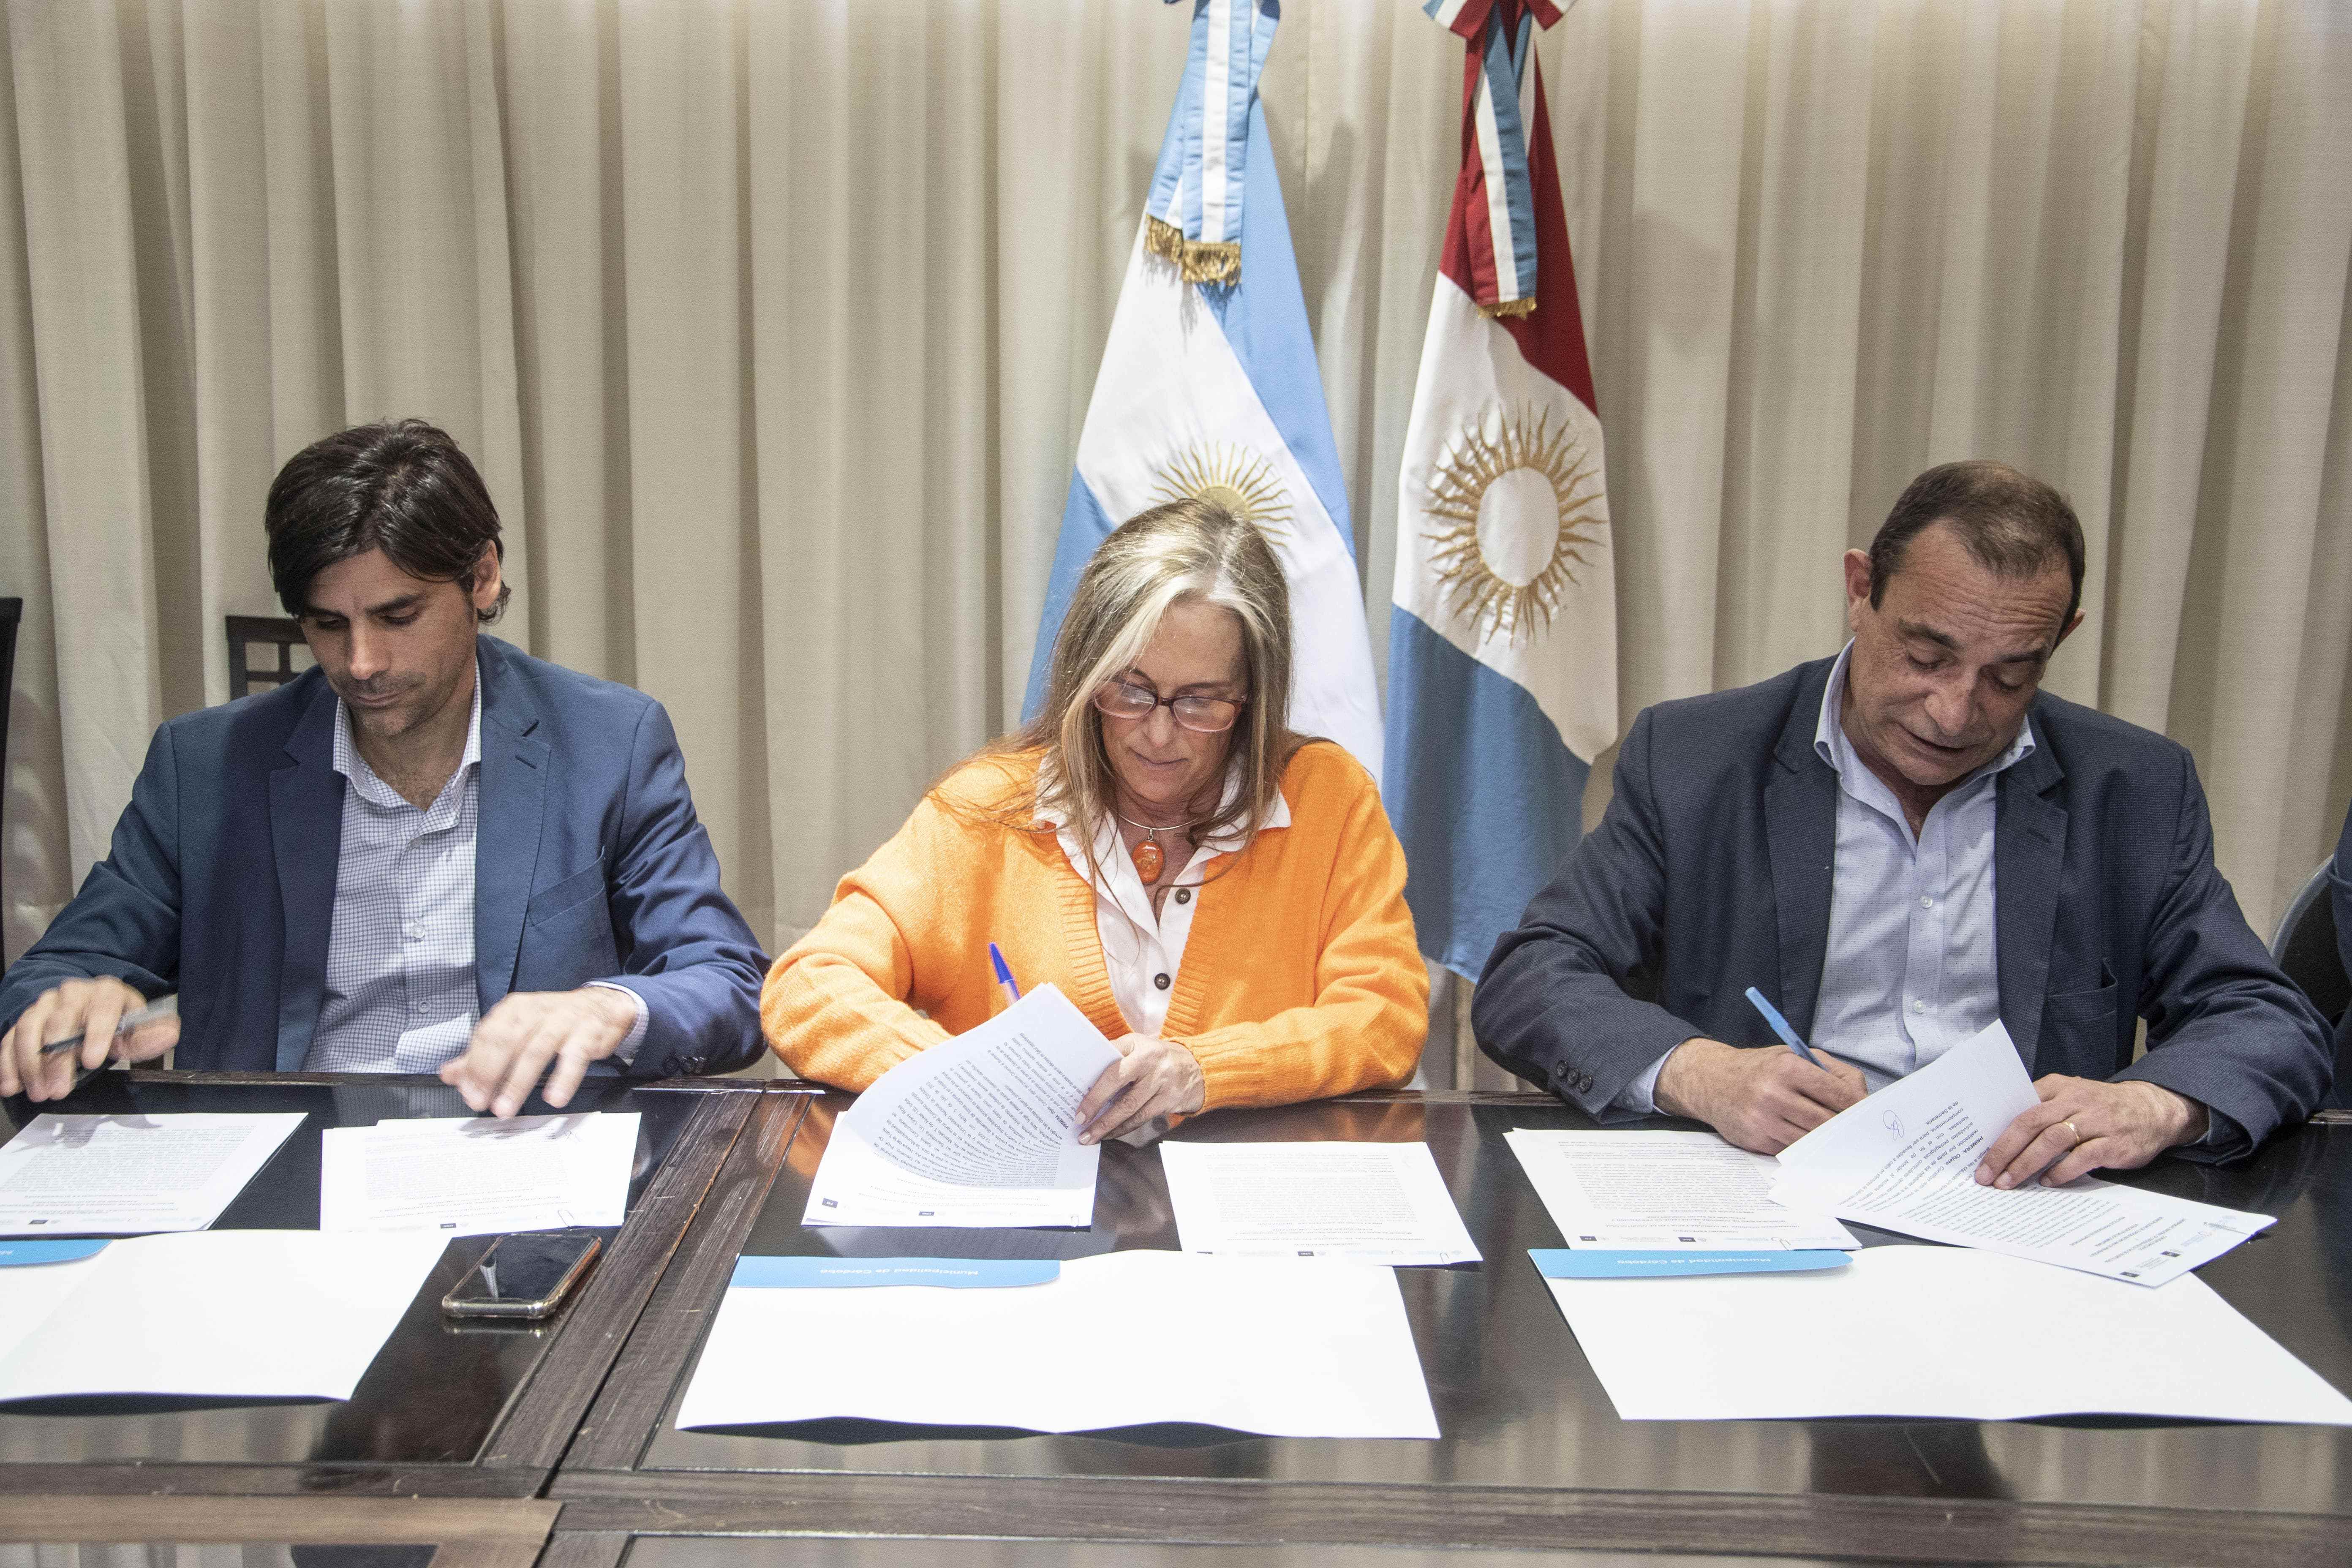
[{"x": 1187, "y": 551}]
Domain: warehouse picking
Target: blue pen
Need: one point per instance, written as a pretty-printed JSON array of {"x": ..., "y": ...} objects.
[
  {"x": 1780, "y": 1025},
  {"x": 1004, "y": 973}
]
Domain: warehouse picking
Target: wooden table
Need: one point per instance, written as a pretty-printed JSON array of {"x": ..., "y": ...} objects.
[
  {"x": 586, "y": 1549},
  {"x": 1533, "y": 1456},
  {"x": 448, "y": 1408},
  {"x": 285, "y": 1531}
]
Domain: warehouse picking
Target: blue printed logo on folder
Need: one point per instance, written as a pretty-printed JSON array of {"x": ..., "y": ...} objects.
[
  {"x": 868, "y": 1273},
  {"x": 24, "y": 1254},
  {"x": 1601, "y": 1263}
]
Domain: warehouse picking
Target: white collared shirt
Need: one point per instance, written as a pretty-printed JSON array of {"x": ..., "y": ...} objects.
[{"x": 1143, "y": 950}]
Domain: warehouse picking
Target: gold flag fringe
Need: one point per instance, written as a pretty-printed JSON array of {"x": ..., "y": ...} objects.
[
  {"x": 1200, "y": 261},
  {"x": 1525, "y": 307}
]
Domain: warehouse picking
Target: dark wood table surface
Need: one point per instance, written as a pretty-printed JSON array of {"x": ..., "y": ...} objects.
[
  {"x": 585, "y": 1549},
  {"x": 280, "y": 1531},
  {"x": 1533, "y": 1456},
  {"x": 449, "y": 1408}
]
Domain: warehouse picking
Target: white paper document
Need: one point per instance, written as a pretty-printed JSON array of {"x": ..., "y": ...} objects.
[
  {"x": 1906, "y": 1158},
  {"x": 1370, "y": 1203},
  {"x": 477, "y": 1176},
  {"x": 1636, "y": 1191},
  {"x": 1251, "y": 1345},
  {"x": 125, "y": 1175},
  {"x": 1934, "y": 1330},
  {"x": 979, "y": 1131},
  {"x": 231, "y": 1314}
]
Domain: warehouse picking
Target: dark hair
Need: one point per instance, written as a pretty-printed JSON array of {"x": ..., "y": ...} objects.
[
  {"x": 403, "y": 487},
  {"x": 2010, "y": 522}
]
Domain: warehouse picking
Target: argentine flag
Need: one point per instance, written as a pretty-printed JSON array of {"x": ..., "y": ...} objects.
[
  {"x": 1208, "y": 386},
  {"x": 1503, "y": 645}
]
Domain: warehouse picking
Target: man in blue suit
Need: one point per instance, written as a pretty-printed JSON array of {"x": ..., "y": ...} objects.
[
  {"x": 432, "y": 853},
  {"x": 1906, "y": 843}
]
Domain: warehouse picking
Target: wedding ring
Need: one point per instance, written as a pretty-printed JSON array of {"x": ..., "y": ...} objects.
[{"x": 2075, "y": 1129}]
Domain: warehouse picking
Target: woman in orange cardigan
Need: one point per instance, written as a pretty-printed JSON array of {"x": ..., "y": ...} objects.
[{"x": 1223, "y": 898}]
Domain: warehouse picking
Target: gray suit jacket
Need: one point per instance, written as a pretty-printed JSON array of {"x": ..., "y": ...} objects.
[{"x": 1711, "y": 872}]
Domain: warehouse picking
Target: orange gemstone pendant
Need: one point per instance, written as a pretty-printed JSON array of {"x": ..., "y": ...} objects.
[{"x": 1148, "y": 861}]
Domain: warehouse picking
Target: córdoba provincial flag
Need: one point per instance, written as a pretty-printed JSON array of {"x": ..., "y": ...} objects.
[
  {"x": 1208, "y": 386},
  {"x": 1503, "y": 646}
]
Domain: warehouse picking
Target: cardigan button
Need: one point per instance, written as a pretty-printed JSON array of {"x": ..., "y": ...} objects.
[{"x": 1161, "y": 980}]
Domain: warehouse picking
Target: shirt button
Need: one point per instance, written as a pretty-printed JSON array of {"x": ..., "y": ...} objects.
[
  {"x": 1918, "y": 1006},
  {"x": 412, "y": 932},
  {"x": 1184, "y": 895},
  {"x": 1926, "y": 902},
  {"x": 1159, "y": 981}
]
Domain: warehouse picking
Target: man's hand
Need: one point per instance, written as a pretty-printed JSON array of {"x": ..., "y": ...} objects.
[
  {"x": 92, "y": 1008},
  {"x": 2084, "y": 1124},
  {"x": 518, "y": 1038},
  {"x": 1763, "y": 1099},
  {"x": 1156, "y": 1077}
]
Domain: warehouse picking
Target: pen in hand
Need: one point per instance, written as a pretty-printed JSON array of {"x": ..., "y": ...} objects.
[
  {"x": 131, "y": 1022},
  {"x": 1780, "y": 1025}
]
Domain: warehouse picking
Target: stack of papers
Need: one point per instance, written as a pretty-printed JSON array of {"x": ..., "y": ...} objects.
[
  {"x": 981, "y": 1130},
  {"x": 1682, "y": 1191},
  {"x": 232, "y": 1314},
  {"x": 1254, "y": 1345},
  {"x": 1929, "y": 1331},
  {"x": 124, "y": 1175},
  {"x": 1370, "y": 1203},
  {"x": 1906, "y": 1159},
  {"x": 468, "y": 1175}
]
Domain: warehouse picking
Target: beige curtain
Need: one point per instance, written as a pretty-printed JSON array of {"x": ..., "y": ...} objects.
[{"x": 772, "y": 324}]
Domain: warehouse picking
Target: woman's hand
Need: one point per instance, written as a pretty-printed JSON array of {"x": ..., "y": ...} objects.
[{"x": 1156, "y": 1077}]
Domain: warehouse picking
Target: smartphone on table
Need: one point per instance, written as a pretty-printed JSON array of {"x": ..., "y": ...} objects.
[{"x": 527, "y": 1275}]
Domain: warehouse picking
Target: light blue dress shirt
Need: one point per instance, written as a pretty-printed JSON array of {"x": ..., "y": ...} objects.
[
  {"x": 401, "y": 994},
  {"x": 1912, "y": 967}
]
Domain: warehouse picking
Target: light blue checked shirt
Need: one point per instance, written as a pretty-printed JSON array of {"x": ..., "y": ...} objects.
[{"x": 401, "y": 994}]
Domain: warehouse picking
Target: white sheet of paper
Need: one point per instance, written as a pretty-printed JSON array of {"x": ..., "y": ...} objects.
[
  {"x": 1368, "y": 1203},
  {"x": 1904, "y": 1160},
  {"x": 251, "y": 1314},
  {"x": 1936, "y": 1331},
  {"x": 123, "y": 1175},
  {"x": 1638, "y": 1191},
  {"x": 476, "y": 1176},
  {"x": 981, "y": 1130},
  {"x": 1251, "y": 1345}
]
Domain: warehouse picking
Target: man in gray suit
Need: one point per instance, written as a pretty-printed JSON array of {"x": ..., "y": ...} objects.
[{"x": 1905, "y": 843}]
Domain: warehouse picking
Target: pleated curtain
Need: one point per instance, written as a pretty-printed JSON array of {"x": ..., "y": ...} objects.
[{"x": 772, "y": 326}]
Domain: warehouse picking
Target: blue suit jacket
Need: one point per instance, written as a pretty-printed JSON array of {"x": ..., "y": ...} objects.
[
  {"x": 589, "y": 865},
  {"x": 1711, "y": 872}
]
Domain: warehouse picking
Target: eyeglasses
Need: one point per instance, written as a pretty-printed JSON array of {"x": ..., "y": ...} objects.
[{"x": 1209, "y": 715}]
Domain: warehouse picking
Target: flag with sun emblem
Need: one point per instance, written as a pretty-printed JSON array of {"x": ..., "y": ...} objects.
[
  {"x": 1208, "y": 386},
  {"x": 1502, "y": 643}
]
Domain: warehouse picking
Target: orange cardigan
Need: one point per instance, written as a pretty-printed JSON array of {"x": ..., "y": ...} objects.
[{"x": 1299, "y": 980}]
